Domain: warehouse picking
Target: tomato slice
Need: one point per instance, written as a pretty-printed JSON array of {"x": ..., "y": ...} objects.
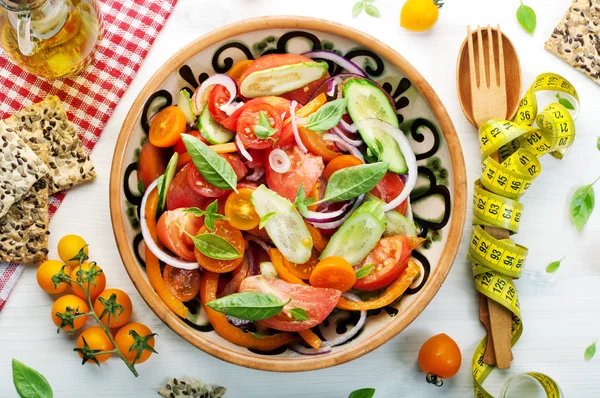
[
  {"x": 206, "y": 189},
  {"x": 170, "y": 230},
  {"x": 233, "y": 284},
  {"x": 218, "y": 96},
  {"x": 166, "y": 127},
  {"x": 152, "y": 163},
  {"x": 305, "y": 170},
  {"x": 341, "y": 162},
  {"x": 302, "y": 271},
  {"x": 280, "y": 104},
  {"x": 180, "y": 146},
  {"x": 390, "y": 186},
  {"x": 248, "y": 120},
  {"x": 316, "y": 145},
  {"x": 317, "y": 302},
  {"x": 390, "y": 257},
  {"x": 230, "y": 234},
  {"x": 240, "y": 211},
  {"x": 183, "y": 283},
  {"x": 181, "y": 194}
]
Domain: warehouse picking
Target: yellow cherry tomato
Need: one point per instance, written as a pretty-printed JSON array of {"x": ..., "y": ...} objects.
[
  {"x": 64, "y": 308},
  {"x": 122, "y": 307},
  {"x": 133, "y": 338},
  {"x": 46, "y": 271},
  {"x": 88, "y": 272},
  {"x": 240, "y": 211},
  {"x": 69, "y": 247},
  {"x": 419, "y": 15},
  {"x": 96, "y": 339}
]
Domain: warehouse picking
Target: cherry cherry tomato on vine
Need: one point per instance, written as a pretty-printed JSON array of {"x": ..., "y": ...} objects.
[
  {"x": 96, "y": 339},
  {"x": 240, "y": 211},
  {"x": 88, "y": 272},
  {"x": 69, "y": 247},
  {"x": 439, "y": 358},
  {"x": 46, "y": 271},
  {"x": 133, "y": 338},
  {"x": 121, "y": 299},
  {"x": 69, "y": 304},
  {"x": 183, "y": 283}
]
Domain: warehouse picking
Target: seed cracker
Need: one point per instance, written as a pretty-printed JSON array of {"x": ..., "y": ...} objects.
[
  {"x": 24, "y": 228},
  {"x": 68, "y": 160},
  {"x": 576, "y": 39},
  {"x": 20, "y": 168}
]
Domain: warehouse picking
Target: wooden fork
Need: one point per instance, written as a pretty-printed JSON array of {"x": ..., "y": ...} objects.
[{"x": 488, "y": 90}]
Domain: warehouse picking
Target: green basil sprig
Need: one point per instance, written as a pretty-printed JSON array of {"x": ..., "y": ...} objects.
[
  {"x": 362, "y": 393},
  {"x": 299, "y": 314},
  {"x": 365, "y": 270},
  {"x": 215, "y": 169},
  {"x": 348, "y": 183},
  {"x": 582, "y": 205},
  {"x": 210, "y": 214},
  {"x": 370, "y": 9},
  {"x": 214, "y": 246},
  {"x": 29, "y": 382},
  {"x": 250, "y": 306},
  {"x": 302, "y": 202},
  {"x": 590, "y": 351},
  {"x": 527, "y": 18},
  {"x": 328, "y": 116},
  {"x": 264, "y": 129}
]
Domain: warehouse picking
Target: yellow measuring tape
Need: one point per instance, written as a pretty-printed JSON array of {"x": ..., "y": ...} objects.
[{"x": 519, "y": 143}]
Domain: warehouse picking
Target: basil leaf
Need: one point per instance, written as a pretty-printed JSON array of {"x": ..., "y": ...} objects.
[
  {"x": 299, "y": 314},
  {"x": 598, "y": 144},
  {"x": 301, "y": 202},
  {"x": 348, "y": 183},
  {"x": 358, "y": 7},
  {"x": 264, "y": 129},
  {"x": 215, "y": 169},
  {"x": 590, "y": 351},
  {"x": 526, "y": 17},
  {"x": 29, "y": 382},
  {"x": 582, "y": 205},
  {"x": 251, "y": 306},
  {"x": 195, "y": 211},
  {"x": 564, "y": 102},
  {"x": 214, "y": 246},
  {"x": 365, "y": 270},
  {"x": 372, "y": 10},
  {"x": 328, "y": 116},
  {"x": 211, "y": 215},
  {"x": 264, "y": 220},
  {"x": 553, "y": 266},
  {"x": 362, "y": 393}
]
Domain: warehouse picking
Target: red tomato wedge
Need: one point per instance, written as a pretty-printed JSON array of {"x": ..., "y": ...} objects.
[
  {"x": 249, "y": 119},
  {"x": 280, "y": 104},
  {"x": 218, "y": 96},
  {"x": 181, "y": 194},
  {"x": 317, "y": 302},
  {"x": 390, "y": 257},
  {"x": 170, "y": 229},
  {"x": 152, "y": 163},
  {"x": 204, "y": 188},
  {"x": 390, "y": 186},
  {"x": 305, "y": 170}
]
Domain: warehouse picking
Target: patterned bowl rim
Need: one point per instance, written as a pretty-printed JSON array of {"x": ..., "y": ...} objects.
[{"x": 352, "y": 351}]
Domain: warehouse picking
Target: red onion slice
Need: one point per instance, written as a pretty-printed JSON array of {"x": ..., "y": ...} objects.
[
  {"x": 242, "y": 149},
  {"x": 295, "y": 127},
  {"x": 279, "y": 161},
  {"x": 343, "y": 136},
  {"x": 264, "y": 245},
  {"x": 256, "y": 175},
  {"x": 332, "y": 85},
  {"x": 338, "y": 59},
  {"x": 346, "y": 127},
  {"x": 407, "y": 152},
  {"x": 230, "y": 108},
  {"x": 341, "y": 339},
  {"x": 226, "y": 81},
  {"x": 337, "y": 223},
  {"x": 343, "y": 145},
  {"x": 151, "y": 244},
  {"x": 328, "y": 216}
]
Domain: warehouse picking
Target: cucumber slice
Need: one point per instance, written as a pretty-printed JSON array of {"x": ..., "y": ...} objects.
[
  {"x": 282, "y": 79},
  {"x": 185, "y": 105},
  {"x": 397, "y": 224},
  {"x": 164, "y": 182},
  {"x": 212, "y": 130},
  {"x": 367, "y": 101},
  {"x": 286, "y": 228},
  {"x": 358, "y": 235}
]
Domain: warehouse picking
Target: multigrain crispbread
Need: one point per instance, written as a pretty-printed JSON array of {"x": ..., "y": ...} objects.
[
  {"x": 68, "y": 160},
  {"x": 576, "y": 39},
  {"x": 24, "y": 228},
  {"x": 20, "y": 168}
]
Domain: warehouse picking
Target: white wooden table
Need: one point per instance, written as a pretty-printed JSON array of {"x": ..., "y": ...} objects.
[{"x": 560, "y": 312}]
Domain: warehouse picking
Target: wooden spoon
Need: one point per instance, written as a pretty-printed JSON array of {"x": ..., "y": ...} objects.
[{"x": 512, "y": 70}]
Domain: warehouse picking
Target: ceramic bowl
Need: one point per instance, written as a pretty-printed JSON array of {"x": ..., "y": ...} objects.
[{"x": 438, "y": 202}]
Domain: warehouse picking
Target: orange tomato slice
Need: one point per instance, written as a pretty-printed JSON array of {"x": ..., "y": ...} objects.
[
  {"x": 333, "y": 272},
  {"x": 166, "y": 127},
  {"x": 340, "y": 162}
]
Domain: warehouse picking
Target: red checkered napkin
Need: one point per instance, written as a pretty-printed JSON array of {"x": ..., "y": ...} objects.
[{"x": 130, "y": 27}]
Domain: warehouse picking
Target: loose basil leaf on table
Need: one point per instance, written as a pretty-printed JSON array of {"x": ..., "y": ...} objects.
[
  {"x": 527, "y": 18},
  {"x": 328, "y": 116},
  {"x": 362, "y": 393},
  {"x": 215, "y": 169},
  {"x": 565, "y": 102},
  {"x": 348, "y": 183},
  {"x": 553, "y": 266},
  {"x": 299, "y": 314},
  {"x": 250, "y": 306},
  {"x": 582, "y": 205},
  {"x": 214, "y": 246},
  {"x": 29, "y": 382},
  {"x": 590, "y": 351}
]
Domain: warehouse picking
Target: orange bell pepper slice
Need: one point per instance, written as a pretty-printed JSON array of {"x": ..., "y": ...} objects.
[
  {"x": 153, "y": 266},
  {"x": 239, "y": 68},
  {"x": 319, "y": 240},
  {"x": 209, "y": 282},
  {"x": 282, "y": 271},
  {"x": 312, "y": 339},
  {"x": 391, "y": 294},
  {"x": 309, "y": 108}
]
